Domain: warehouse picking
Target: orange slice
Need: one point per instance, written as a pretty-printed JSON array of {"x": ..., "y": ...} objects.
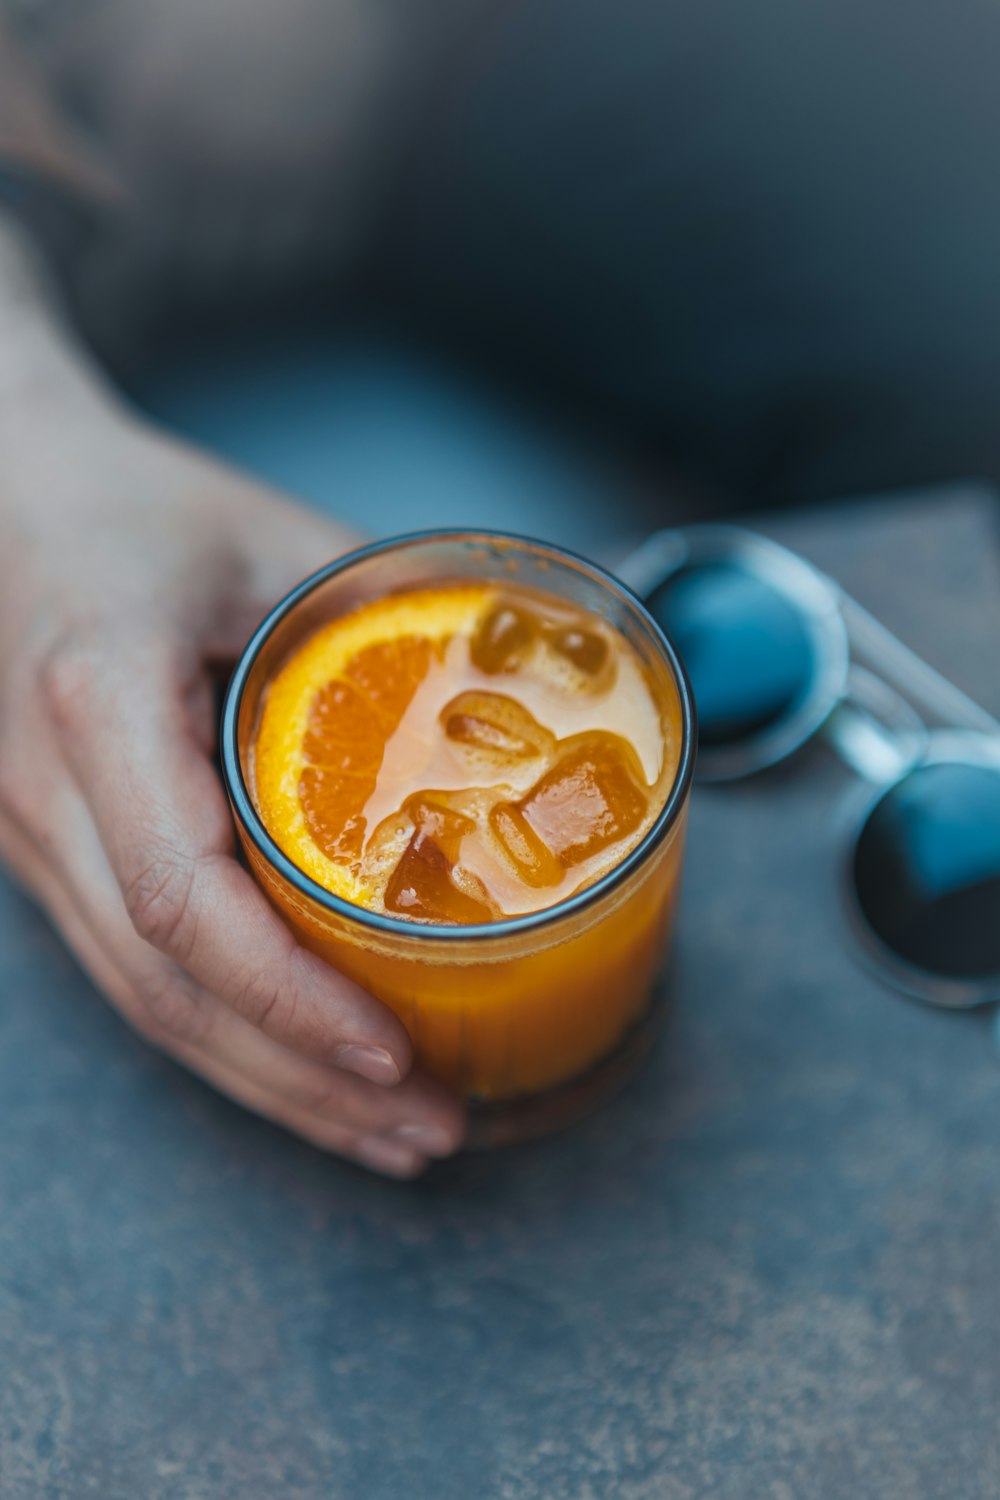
[{"x": 329, "y": 714}]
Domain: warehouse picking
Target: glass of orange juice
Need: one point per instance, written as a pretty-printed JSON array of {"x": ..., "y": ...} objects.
[{"x": 459, "y": 764}]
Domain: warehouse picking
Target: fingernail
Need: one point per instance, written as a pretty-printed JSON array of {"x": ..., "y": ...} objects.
[
  {"x": 388, "y": 1156},
  {"x": 373, "y": 1063},
  {"x": 429, "y": 1139}
]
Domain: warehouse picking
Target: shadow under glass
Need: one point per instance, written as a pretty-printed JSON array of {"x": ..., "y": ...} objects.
[
  {"x": 750, "y": 657},
  {"x": 927, "y": 870}
]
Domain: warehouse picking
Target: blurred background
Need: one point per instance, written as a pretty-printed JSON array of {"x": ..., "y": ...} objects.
[{"x": 578, "y": 267}]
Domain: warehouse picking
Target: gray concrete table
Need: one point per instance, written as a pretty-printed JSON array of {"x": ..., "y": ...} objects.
[{"x": 771, "y": 1268}]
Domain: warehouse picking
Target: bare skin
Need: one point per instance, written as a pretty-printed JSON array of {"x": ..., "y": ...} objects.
[{"x": 131, "y": 569}]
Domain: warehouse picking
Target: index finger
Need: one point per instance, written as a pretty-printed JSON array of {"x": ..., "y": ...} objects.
[{"x": 165, "y": 825}]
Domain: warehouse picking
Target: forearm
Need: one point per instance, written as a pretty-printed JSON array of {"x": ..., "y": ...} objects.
[
  {"x": 46, "y": 375},
  {"x": 40, "y": 152},
  {"x": 36, "y": 141}
]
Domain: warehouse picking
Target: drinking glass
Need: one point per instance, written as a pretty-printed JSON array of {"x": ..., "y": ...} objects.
[{"x": 535, "y": 1017}]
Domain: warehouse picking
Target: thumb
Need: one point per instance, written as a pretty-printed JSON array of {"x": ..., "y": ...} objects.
[
  {"x": 286, "y": 541},
  {"x": 278, "y": 542}
]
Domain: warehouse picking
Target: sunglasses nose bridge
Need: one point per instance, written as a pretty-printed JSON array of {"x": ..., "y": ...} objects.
[{"x": 874, "y": 730}]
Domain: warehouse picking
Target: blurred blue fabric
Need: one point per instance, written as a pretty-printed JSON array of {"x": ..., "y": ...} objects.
[
  {"x": 762, "y": 237},
  {"x": 388, "y": 439},
  {"x": 757, "y": 242}
]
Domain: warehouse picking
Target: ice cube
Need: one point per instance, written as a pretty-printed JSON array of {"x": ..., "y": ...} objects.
[
  {"x": 495, "y": 729},
  {"x": 504, "y": 639},
  {"x": 585, "y": 649},
  {"x": 423, "y": 884},
  {"x": 536, "y": 865},
  {"x": 590, "y": 798}
]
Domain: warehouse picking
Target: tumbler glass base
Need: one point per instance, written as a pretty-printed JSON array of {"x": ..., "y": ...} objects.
[{"x": 505, "y": 1122}]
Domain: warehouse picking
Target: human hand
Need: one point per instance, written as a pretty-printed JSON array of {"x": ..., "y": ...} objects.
[{"x": 130, "y": 569}]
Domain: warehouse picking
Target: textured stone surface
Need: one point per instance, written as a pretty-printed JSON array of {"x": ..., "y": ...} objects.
[{"x": 770, "y": 1269}]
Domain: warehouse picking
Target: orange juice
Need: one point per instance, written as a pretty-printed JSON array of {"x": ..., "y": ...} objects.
[{"x": 457, "y": 769}]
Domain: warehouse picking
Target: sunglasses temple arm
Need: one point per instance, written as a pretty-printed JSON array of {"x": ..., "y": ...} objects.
[
  {"x": 873, "y": 729},
  {"x": 925, "y": 688}
]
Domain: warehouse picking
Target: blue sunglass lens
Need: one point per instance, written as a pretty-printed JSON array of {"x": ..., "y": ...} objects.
[
  {"x": 747, "y": 649},
  {"x": 927, "y": 870}
]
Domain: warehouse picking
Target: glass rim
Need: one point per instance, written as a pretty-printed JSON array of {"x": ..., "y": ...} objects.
[{"x": 250, "y": 820}]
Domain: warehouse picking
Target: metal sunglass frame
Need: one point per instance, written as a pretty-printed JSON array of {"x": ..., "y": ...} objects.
[{"x": 871, "y": 699}]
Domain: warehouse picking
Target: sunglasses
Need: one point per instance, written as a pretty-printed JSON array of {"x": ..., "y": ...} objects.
[{"x": 777, "y": 656}]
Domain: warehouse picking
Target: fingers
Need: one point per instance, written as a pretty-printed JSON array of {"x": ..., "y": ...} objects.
[
  {"x": 382, "y": 1154},
  {"x": 63, "y": 858},
  {"x": 164, "y": 824},
  {"x": 289, "y": 542},
  {"x": 418, "y": 1114},
  {"x": 393, "y": 1131}
]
